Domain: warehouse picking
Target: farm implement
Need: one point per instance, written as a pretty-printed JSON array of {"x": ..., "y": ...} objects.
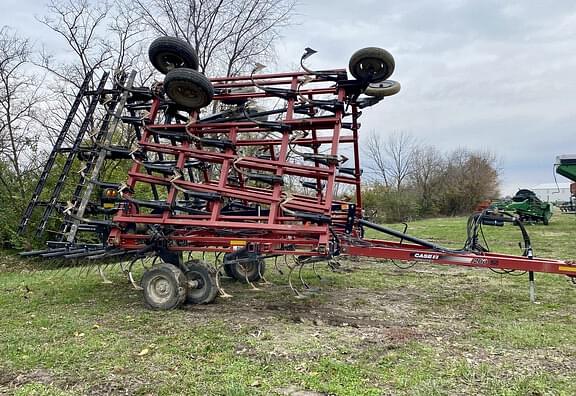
[
  {"x": 566, "y": 166},
  {"x": 527, "y": 206},
  {"x": 244, "y": 167}
]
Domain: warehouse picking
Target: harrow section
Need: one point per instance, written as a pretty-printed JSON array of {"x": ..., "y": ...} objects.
[{"x": 248, "y": 167}]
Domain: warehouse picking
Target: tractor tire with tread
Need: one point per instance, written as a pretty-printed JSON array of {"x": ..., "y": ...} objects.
[
  {"x": 188, "y": 88},
  {"x": 167, "y": 53},
  {"x": 371, "y": 64}
]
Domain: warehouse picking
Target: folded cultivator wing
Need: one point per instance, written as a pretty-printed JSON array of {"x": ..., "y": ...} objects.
[{"x": 246, "y": 167}]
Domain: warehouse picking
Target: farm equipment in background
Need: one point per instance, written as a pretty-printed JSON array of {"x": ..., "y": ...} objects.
[
  {"x": 252, "y": 179},
  {"x": 527, "y": 206},
  {"x": 566, "y": 166}
]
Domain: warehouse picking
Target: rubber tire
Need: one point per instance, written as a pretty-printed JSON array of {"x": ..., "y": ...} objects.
[
  {"x": 165, "y": 50},
  {"x": 175, "y": 280},
  {"x": 189, "y": 88},
  {"x": 253, "y": 274},
  {"x": 383, "y": 88},
  {"x": 197, "y": 270},
  {"x": 371, "y": 64}
]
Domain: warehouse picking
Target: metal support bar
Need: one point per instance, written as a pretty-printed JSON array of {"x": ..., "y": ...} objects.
[{"x": 532, "y": 287}]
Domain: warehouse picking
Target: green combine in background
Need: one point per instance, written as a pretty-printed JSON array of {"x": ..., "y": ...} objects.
[{"x": 528, "y": 206}]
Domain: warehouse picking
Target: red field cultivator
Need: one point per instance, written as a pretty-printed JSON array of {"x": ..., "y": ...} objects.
[{"x": 247, "y": 167}]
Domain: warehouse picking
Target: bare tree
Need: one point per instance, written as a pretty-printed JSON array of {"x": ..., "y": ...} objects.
[
  {"x": 378, "y": 161},
  {"x": 19, "y": 97},
  {"x": 80, "y": 24},
  {"x": 391, "y": 158},
  {"x": 426, "y": 170},
  {"x": 229, "y": 35},
  {"x": 102, "y": 36}
]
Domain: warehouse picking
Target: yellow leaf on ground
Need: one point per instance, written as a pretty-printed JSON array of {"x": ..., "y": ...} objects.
[{"x": 144, "y": 351}]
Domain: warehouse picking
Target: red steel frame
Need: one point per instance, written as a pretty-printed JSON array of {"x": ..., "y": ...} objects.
[{"x": 279, "y": 230}]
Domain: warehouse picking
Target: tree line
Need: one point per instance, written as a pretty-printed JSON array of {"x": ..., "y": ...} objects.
[{"x": 409, "y": 179}]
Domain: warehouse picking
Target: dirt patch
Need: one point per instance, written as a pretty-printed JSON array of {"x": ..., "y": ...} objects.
[
  {"x": 11, "y": 380},
  {"x": 295, "y": 391}
]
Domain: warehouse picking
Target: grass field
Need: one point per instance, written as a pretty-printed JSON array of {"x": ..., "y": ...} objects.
[{"x": 373, "y": 329}]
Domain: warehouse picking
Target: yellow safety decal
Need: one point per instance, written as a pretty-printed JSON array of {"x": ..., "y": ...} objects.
[
  {"x": 237, "y": 243},
  {"x": 565, "y": 268}
]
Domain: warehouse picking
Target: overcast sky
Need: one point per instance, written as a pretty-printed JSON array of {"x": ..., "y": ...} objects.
[{"x": 482, "y": 74}]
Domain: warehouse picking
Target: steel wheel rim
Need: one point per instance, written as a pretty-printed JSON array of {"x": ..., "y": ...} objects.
[
  {"x": 160, "y": 289},
  {"x": 187, "y": 94},
  {"x": 371, "y": 68}
]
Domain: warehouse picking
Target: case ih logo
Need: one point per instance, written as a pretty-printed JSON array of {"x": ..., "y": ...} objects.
[{"x": 426, "y": 256}]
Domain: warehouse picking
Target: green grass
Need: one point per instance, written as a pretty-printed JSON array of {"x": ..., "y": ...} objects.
[{"x": 376, "y": 330}]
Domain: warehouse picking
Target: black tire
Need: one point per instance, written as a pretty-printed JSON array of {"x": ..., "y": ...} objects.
[
  {"x": 206, "y": 291},
  {"x": 371, "y": 64},
  {"x": 168, "y": 53},
  {"x": 164, "y": 287},
  {"x": 383, "y": 88},
  {"x": 252, "y": 269},
  {"x": 189, "y": 88}
]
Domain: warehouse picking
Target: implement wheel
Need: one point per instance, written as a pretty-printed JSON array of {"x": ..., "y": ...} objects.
[
  {"x": 371, "y": 64},
  {"x": 189, "y": 88},
  {"x": 168, "y": 53},
  {"x": 164, "y": 287},
  {"x": 251, "y": 269},
  {"x": 201, "y": 283},
  {"x": 383, "y": 88}
]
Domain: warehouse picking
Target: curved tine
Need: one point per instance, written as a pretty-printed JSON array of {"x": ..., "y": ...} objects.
[
  {"x": 334, "y": 265},
  {"x": 221, "y": 290},
  {"x": 316, "y": 272},
  {"x": 296, "y": 292},
  {"x": 254, "y": 288},
  {"x": 261, "y": 275},
  {"x": 134, "y": 284},
  {"x": 103, "y": 276},
  {"x": 308, "y": 52},
  {"x": 217, "y": 260},
  {"x": 147, "y": 267},
  {"x": 153, "y": 262},
  {"x": 306, "y": 285},
  {"x": 130, "y": 277},
  {"x": 276, "y": 265}
]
